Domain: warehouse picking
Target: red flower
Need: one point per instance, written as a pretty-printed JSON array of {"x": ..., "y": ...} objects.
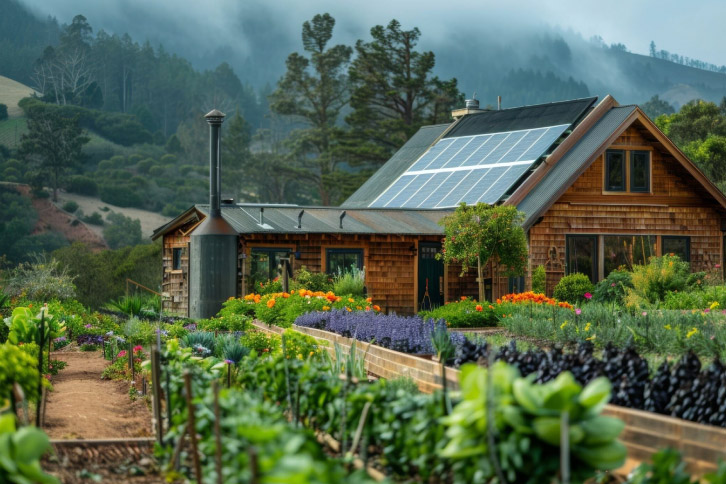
[{"x": 479, "y": 308}]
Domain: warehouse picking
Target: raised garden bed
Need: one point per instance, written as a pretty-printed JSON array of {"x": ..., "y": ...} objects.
[{"x": 645, "y": 432}]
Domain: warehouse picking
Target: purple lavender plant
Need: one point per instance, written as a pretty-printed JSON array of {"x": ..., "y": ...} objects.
[
  {"x": 89, "y": 339},
  {"x": 408, "y": 334}
]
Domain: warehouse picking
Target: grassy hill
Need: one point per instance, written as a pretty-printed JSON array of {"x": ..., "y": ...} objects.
[{"x": 10, "y": 93}]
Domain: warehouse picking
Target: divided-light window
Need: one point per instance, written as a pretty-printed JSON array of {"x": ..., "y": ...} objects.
[
  {"x": 627, "y": 171},
  {"x": 339, "y": 261}
]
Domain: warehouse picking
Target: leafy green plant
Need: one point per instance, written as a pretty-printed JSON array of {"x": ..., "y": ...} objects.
[
  {"x": 25, "y": 325},
  {"x": 42, "y": 280},
  {"x": 350, "y": 282},
  {"x": 614, "y": 287},
  {"x": 651, "y": 282},
  {"x": 667, "y": 468},
  {"x": 464, "y": 314},
  {"x": 232, "y": 350},
  {"x": 539, "y": 280},
  {"x": 299, "y": 345},
  {"x": 70, "y": 206},
  {"x": 314, "y": 281},
  {"x": 18, "y": 366},
  {"x": 524, "y": 421},
  {"x": 260, "y": 342},
  {"x": 573, "y": 287},
  {"x": 20, "y": 453},
  {"x": 201, "y": 342}
]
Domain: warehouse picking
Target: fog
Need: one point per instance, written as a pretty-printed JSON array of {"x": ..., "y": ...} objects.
[{"x": 475, "y": 41}]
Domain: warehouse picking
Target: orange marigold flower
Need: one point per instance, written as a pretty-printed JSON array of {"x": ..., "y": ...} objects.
[
  {"x": 348, "y": 309},
  {"x": 326, "y": 308},
  {"x": 271, "y": 303},
  {"x": 358, "y": 308},
  {"x": 285, "y": 295},
  {"x": 479, "y": 308},
  {"x": 491, "y": 307},
  {"x": 350, "y": 299},
  {"x": 463, "y": 298},
  {"x": 369, "y": 299},
  {"x": 368, "y": 308},
  {"x": 257, "y": 298},
  {"x": 376, "y": 307}
]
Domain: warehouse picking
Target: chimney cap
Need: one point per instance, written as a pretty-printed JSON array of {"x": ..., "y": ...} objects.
[{"x": 215, "y": 116}]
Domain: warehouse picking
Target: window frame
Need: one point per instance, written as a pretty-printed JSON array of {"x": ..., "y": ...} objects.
[
  {"x": 596, "y": 265},
  {"x": 268, "y": 251},
  {"x": 623, "y": 167},
  {"x": 687, "y": 238},
  {"x": 358, "y": 251},
  {"x": 631, "y": 157},
  {"x": 176, "y": 256}
]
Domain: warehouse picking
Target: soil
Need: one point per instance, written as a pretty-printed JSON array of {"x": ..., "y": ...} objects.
[
  {"x": 82, "y": 406},
  {"x": 51, "y": 218}
]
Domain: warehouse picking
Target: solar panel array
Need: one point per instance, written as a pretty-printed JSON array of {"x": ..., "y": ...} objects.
[{"x": 469, "y": 169}]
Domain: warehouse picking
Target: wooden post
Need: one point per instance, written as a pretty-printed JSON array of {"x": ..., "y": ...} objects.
[
  {"x": 38, "y": 408},
  {"x": 156, "y": 393},
  {"x": 217, "y": 433},
  {"x": 254, "y": 466},
  {"x": 565, "y": 448},
  {"x": 192, "y": 426},
  {"x": 480, "y": 278}
]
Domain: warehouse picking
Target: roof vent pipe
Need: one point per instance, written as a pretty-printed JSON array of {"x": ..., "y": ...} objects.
[
  {"x": 215, "y": 119},
  {"x": 499, "y": 103},
  {"x": 262, "y": 215},
  {"x": 299, "y": 219},
  {"x": 342, "y": 215},
  {"x": 472, "y": 103}
]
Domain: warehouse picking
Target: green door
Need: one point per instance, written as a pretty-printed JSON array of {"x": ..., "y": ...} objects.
[{"x": 430, "y": 276}]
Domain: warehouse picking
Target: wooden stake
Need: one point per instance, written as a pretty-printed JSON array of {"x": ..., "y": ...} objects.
[
  {"x": 178, "y": 448},
  {"x": 217, "y": 433},
  {"x": 192, "y": 426},
  {"x": 254, "y": 467},
  {"x": 40, "y": 367},
  {"x": 156, "y": 393}
]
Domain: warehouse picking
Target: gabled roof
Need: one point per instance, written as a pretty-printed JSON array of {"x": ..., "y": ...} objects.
[
  {"x": 283, "y": 219},
  {"x": 397, "y": 164},
  {"x": 590, "y": 140}
]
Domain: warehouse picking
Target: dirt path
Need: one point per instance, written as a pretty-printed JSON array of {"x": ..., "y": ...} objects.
[{"x": 82, "y": 406}]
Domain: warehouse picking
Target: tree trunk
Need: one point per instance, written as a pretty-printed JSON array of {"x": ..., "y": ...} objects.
[{"x": 480, "y": 278}]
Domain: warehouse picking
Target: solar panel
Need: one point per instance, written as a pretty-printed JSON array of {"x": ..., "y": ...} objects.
[{"x": 470, "y": 169}]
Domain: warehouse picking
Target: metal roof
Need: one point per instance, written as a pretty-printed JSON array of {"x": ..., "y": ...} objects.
[
  {"x": 393, "y": 168},
  {"x": 562, "y": 174},
  {"x": 522, "y": 117},
  {"x": 245, "y": 219}
]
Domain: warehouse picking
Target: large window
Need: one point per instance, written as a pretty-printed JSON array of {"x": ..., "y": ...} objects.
[
  {"x": 341, "y": 260},
  {"x": 640, "y": 171},
  {"x": 582, "y": 255},
  {"x": 627, "y": 251},
  {"x": 677, "y": 245},
  {"x": 516, "y": 285},
  {"x": 615, "y": 171},
  {"x": 265, "y": 264}
]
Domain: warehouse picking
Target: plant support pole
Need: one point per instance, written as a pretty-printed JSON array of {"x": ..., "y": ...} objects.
[
  {"x": 192, "y": 426},
  {"x": 156, "y": 392},
  {"x": 217, "y": 433},
  {"x": 38, "y": 408},
  {"x": 565, "y": 447}
]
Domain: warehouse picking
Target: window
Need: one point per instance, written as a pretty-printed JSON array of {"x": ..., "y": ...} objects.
[
  {"x": 640, "y": 171},
  {"x": 627, "y": 251},
  {"x": 581, "y": 254},
  {"x": 265, "y": 265},
  {"x": 176, "y": 258},
  {"x": 516, "y": 285},
  {"x": 615, "y": 171},
  {"x": 677, "y": 245},
  {"x": 341, "y": 260}
]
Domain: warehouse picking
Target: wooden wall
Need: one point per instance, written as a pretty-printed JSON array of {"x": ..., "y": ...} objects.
[
  {"x": 677, "y": 205},
  {"x": 175, "y": 283}
]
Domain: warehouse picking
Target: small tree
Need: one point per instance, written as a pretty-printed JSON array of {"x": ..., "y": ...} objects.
[{"x": 476, "y": 234}]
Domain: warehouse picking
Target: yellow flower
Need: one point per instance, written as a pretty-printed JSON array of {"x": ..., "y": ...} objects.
[
  {"x": 358, "y": 308},
  {"x": 562, "y": 326},
  {"x": 587, "y": 326},
  {"x": 348, "y": 309},
  {"x": 714, "y": 305},
  {"x": 691, "y": 333},
  {"x": 326, "y": 308},
  {"x": 668, "y": 327},
  {"x": 350, "y": 299},
  {"x": 312, "y": 353},
  {"x": 591, "y": 338},
  {"x": 299, "y": 356}
]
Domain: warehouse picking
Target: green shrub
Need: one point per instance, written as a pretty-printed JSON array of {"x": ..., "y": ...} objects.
[
  {"x": 157, "y": 171},
  {"x": 42, "y": 280},
  {"x": 18, "y": 366},
  {"x": 572, "y": 288},
  {"x": 260, "y": 342},
  {"x": 300, "y": 345},
  {"x": 168, "y": 159},
  {"x": 3, "y": 112},
  {"x": 83, "y": 185},
  {"x": 134, "y": 159},
  {"x": 144, "y": 165},
  {"x": 539, "y": 280},
  {"x": 105, "y": 165},
  {"x": 350, "y": 282},
  {"x": 464, "y": 314},
  {"x": 697, "y": 299},
  {"x": 614, "y": 287},
  {"x": 121, "y": 195},
  {"x": 70, "y": 206},
  {"x": 653, "y": 281},
  {"x": 94, "y": 219},
  {"x": 313, "y": 281},
  {"x": 122, "y": 231}
]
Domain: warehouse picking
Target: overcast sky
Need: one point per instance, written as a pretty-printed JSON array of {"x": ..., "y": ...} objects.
[{"x": 693, "y": 29}]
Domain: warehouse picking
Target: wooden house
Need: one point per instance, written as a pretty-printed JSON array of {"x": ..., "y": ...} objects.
[{"x": 600, "y": 185}]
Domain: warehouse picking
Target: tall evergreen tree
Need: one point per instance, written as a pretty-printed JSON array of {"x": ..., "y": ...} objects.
[
  {"x": 313, "y": 91},
  {"x": 394, "y": 93}
]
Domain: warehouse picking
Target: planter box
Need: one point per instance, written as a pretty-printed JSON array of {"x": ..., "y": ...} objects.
[{"x": 645, "y": 432}]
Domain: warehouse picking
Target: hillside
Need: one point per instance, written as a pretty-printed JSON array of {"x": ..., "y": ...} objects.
[{"x": 11, "y": 92}]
